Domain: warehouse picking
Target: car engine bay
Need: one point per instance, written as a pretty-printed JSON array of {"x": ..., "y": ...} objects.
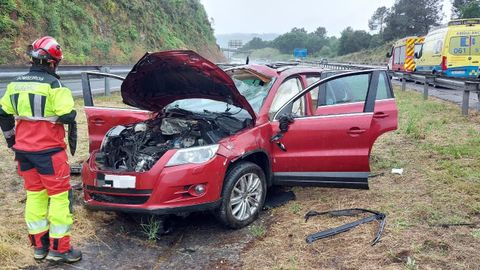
[{"x": 137, "y": 147}]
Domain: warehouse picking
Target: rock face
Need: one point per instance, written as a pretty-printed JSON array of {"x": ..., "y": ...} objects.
[{"x": 106, "y": 31}]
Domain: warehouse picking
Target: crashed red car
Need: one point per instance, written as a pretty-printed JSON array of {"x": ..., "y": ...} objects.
[{"x": 197, "y": 137}]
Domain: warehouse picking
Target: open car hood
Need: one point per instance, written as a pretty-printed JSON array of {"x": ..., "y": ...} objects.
[{"x": 161, "y": 78}]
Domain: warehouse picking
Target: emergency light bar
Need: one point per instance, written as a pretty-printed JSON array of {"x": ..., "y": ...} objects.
[{"x": 464, "y": 22}]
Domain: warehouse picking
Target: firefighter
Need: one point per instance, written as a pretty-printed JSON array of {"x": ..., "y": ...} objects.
[{"x": 41, "y": 106}]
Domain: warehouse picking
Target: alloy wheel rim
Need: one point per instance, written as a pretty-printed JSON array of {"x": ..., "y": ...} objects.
[{"x": 245, "y": 197}]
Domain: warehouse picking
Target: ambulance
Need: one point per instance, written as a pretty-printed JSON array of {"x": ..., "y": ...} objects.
[
  {"x": 401, "y": 57},
  {"x": 452, "y": 50}
]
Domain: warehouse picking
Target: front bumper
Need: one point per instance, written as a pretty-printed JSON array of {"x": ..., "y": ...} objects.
[{"x": 161, "y": 190}]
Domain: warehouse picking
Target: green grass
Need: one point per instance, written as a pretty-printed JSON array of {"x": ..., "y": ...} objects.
[
  {"x": 258, "y": 231},
  {"x": 151, "y": 228}
]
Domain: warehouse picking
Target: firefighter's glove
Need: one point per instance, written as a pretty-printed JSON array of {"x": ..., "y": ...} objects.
[
  {"x": 68, "y": 118},
  {"x": 11, "y": 141},
  {"x": 72, "y": 137}
]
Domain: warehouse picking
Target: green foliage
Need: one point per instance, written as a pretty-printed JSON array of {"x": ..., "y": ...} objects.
[
  {"x": 296, "y": 38},
  {"x": 105, "y": 31},
  {"x": 464, "y": 9},
  {"x": 412, "y": 18},
  {"x": 353, "y": 41}
]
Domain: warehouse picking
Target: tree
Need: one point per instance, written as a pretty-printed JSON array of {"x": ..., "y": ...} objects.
[
  {"x": 377, "y": 21},
  {"x": 464, "y": 9},
  {"x": 255, "y": 43},
  {"x": 412, "y": 17},
  {"x": 353, "y": 41},
  {"x": 320, "y": 32}
]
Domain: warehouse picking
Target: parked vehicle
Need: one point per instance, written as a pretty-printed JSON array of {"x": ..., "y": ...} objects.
[
  {"x": 203, "y": 138},
  {"x": 452, "y": 50},
  {"x": 402, "y": 55}
]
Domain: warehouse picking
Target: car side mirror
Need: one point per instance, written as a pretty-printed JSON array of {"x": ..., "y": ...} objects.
[
  {"x": 285, "y": 120},
  {"x": 418, "y": 55},
  {"x": 388, "y": 55}
]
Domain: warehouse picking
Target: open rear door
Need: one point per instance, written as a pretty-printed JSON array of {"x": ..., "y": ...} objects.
[{"x": 104, "y": 115}]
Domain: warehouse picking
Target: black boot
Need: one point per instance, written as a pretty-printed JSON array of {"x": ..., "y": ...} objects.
[{"x": 70, "y": 256}]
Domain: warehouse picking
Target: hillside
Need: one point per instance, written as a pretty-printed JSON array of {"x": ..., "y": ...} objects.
[
  {"x": 106, "y": 31},
  {"x": 369, "y": 56}
]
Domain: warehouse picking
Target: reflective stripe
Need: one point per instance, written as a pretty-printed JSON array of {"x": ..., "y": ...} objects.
[
  {"x": 37, "y": 225},
  {"x": 37, "y": 106},
  {"x": 59, "y": 230},
  {"x": 33, "y": 118},
  {"x": 49, "y": 44},
  {"x": 9, "y": 133},
  {"x": 14, "y": 101}
]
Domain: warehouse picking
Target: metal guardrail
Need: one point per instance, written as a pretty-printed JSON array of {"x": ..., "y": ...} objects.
[
  {"x": 68, "y": 72},
  {"x": 465, "y": 85}
]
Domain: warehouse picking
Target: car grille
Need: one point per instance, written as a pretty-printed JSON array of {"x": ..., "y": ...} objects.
[{"x": 119, "y": 199}]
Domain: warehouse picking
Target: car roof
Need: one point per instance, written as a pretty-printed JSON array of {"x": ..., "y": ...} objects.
[{"x": 284, "y": 69}]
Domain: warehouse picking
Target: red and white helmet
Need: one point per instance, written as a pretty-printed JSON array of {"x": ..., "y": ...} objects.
[{"x": 46, "y": 48}]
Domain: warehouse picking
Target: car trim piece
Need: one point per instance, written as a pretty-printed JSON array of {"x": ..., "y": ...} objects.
[
  {"x": 355, "y": 180},
  {"x": 331, "y": 115},
  {"x": 157, "y": 211},
  {"x": 127, "y": 191},
  {"x": 119, "y": 109}
]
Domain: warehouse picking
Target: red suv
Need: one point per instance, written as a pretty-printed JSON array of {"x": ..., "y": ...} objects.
[{"x": 197, "y": 137}]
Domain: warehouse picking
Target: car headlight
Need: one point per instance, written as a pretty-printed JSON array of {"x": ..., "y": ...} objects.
[{"x": 195, "y": 155}]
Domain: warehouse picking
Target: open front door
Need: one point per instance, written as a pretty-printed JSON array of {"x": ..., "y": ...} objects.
[
  {"x": 100, "y": 119},
  {"x": 331, "y": 147}
]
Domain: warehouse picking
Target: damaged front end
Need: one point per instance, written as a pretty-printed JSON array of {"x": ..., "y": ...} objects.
[{"x": 137, "y": 147}]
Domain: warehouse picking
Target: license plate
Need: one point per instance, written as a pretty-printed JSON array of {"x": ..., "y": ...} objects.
[
  {"x": 458, "y": 72},
  {"x": 116, "y": 181}
]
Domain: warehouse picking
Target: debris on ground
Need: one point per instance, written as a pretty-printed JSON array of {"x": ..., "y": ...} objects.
[
  {"x": 397, "y": 171},
  {"x": 346, "y": 227}
]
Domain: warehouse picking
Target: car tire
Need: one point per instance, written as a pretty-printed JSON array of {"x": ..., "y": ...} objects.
[{"x": 243, "y": 195}]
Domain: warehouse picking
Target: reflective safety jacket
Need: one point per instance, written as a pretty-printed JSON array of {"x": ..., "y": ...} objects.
[{"x": 37, "y": 100}]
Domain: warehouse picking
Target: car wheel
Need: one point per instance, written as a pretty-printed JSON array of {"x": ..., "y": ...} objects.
[{"x": 243, "y": 195}]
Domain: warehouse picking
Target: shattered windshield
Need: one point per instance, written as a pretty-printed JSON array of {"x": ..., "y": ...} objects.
[{"x": 252, "y": 87}]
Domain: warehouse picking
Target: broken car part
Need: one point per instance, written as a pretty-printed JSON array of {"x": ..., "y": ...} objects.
[
  {"x": 346, "y": 227},
  {"x": 137, "y": 147}
]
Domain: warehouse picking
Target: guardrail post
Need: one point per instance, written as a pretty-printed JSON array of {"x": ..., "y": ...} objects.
[
  {"x": 404, "y": 82},
  {"x": 427, "y": 81},
  {"x": 469, "y": 86},
  {"x": 107, "y": 80}
]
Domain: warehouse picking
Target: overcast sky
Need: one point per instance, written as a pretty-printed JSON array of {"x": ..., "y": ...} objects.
[{"x": 280, "y": 16}]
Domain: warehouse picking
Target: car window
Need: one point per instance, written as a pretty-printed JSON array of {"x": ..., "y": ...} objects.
[
  {"x": 343, "y": 91},
  {"x": 285, "y": 92},
  {"x": 383, "y": 89},
  {"x": 396, "y": 56},
  {"x": 475, "y": 45},
  {"x": 460, "y": 45},
  {"x": 403, "y": 50}
]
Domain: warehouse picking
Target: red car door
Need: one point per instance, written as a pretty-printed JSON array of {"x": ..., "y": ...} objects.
[
  {"x": 331, "y": 148},
  {"x": 101, "y": 119}
]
